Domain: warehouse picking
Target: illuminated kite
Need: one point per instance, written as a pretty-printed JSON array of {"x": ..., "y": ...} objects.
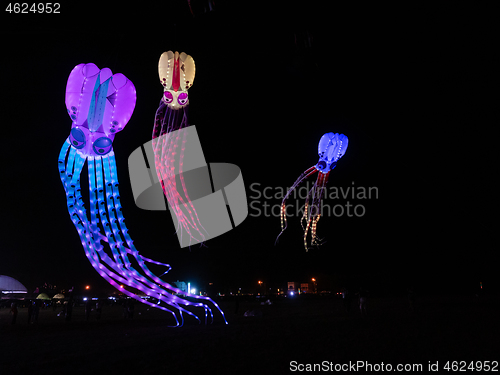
[
  {"x": 332, "y": 146},
  {"x": 176, "y": 73},
  {"x": 100, "y": 104}
]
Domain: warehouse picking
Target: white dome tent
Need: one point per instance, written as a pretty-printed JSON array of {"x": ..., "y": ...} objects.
[
  {"x": 9, "y": 285},
  {"x": 43, "y": 296}
]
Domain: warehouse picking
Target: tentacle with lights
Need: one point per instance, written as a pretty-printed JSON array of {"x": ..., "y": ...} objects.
[
  {"x": 100, "y": 105},
  {"x": 332, "y": 146}
]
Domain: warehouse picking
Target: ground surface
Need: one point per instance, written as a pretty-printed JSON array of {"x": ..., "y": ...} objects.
[{"x": 302, "y": 330}]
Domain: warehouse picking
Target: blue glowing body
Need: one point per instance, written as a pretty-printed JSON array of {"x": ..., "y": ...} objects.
[{"x": 331, "y": 147}]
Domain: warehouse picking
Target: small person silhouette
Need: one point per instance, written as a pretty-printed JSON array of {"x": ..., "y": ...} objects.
[
  {"x": 13, "y": 311},
  {"x": 88, "y": 309},
  {"x": 68, "y": 310},
  {"x": 98, "y": 310},
  {"x": 36, "y": 311},
  {"x": 30, "y": 311},
  {"x": 362, "y": 294}
]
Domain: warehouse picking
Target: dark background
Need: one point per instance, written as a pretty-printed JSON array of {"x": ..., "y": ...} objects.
[{"x": 411, "y": 87}]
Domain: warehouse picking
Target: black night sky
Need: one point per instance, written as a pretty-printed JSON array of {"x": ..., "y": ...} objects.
[{"x": 411, "y": 88}]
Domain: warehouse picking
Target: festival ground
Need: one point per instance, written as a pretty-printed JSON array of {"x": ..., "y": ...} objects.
[{"x": 290, "y": 333}]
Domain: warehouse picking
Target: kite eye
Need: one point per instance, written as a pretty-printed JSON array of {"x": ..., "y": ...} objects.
[
  {"x": 167, "y": 97},
  {"x": 321, "y": 165},
  {"x": 183, "y": 98},
  {"x": 77, "y": 138},
  {"x": 102, "y": 145}
]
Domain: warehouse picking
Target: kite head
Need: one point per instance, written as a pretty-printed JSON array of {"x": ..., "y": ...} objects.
[
  {"x": 331, "y": 147},
  {"x": 100, "y": 104},
  {"x": 176, "y": 71}
]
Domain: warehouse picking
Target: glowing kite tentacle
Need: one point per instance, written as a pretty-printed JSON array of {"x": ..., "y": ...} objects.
[
  {"x": 313, "y": 214},
  {"x": 307, "y": 209},
  {"x": 182, "y": 210},
  {"x": 75, "y": 209},
  {"x": 92, "y": 193},
  {"x": 310, "y": 213},
  {"x": 166, "y": 170},
  {"x": 319, "y": 196},
  {"x": 71, "y": 163},
  {"x": 191, "y": 209},
  {"x": 159, "y": 165},
  {"x": 308, "y": 172},
  {"x": 305, "y": 215},
  {"x": 61, "y": 163},
  {"x": 123, "y": 263},
  {"x": 94, "y": 203}
]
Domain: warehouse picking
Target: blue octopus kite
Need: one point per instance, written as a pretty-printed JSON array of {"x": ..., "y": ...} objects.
[{"x": 332, "y": 146}]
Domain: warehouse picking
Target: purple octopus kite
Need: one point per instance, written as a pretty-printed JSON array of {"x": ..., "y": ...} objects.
[{"x": 100, "y": 104}]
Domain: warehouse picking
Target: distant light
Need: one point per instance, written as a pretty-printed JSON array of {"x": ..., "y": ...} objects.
[
  {"x": 13, "y": 291},
  {"x": 313, "y": 279},
  {"x": 193, "y": 290},
  {"x": 84, "y": 298},
  {"x": 292, "y": 293},
  {"x": 87, "y": 287}
]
